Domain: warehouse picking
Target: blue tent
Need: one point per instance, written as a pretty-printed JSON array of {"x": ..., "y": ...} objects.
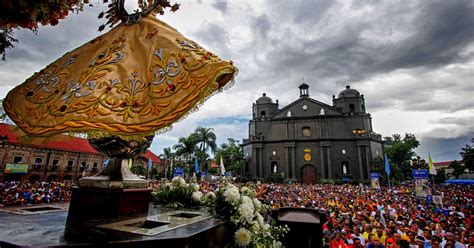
[{"x": 460, "y": 181}]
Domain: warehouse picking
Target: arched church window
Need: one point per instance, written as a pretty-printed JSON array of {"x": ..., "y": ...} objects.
[
  {"x": 351, "y": 107},
  {"x": 262, "y": 114},
  {"x": 274, "y": 167},
  {"x": 288, "y": 114},
  {"x": 345, "y": 167},
  {"x": 306, "y": 131}
]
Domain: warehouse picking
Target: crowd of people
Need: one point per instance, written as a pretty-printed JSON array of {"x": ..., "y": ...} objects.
[
  {"x": 28, "y": 193},
  {"x": 359, "y": 216}
]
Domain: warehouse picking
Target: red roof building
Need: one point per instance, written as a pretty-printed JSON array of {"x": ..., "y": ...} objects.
[
  {"x": 62, "y": 158},
  {"x": 440, "y": 165}
]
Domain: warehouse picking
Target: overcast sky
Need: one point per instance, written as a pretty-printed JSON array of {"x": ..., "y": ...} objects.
[{"x": 413, "y": 61}]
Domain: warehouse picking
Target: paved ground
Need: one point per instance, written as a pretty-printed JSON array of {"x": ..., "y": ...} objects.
[
  {"x": 25, "y": 228},
  {"x": 35, "y": 209},
  {"x": 19, "y": 228}
]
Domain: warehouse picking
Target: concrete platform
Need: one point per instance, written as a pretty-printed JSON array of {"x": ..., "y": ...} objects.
[{"x": 46, "y": 229}]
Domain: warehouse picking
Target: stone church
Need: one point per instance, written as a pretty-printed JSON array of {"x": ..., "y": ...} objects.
[{"x": 308, "y": 140}]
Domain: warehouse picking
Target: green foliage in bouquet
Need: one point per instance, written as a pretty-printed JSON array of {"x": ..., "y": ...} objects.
[
  {"x": 247, "y": 216},
  {"x": 178, "y": 193}
]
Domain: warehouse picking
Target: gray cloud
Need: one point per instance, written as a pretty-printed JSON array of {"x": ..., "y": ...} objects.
[
  {"x": 221, "y": 6},
  {"x": 410, "y": 56},
  {"x": 442, "y": 149}
]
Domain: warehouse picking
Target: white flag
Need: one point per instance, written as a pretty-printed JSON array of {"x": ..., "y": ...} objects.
[
  {"x": 222, "y": 167},
  {"x": 432, "y": 168}
]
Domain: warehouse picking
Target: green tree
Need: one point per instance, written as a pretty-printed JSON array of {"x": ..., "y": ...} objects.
[
  {"x": 202, "y": 158},
  {"x": 458, "y": 169},
  {"x": 166, "y": 158},
  {"x": 440, "y": 176},
  {"x": 467, "y": 154},
  {"x": 138, "y": 170},
  {"x": 378, "y": 165},
  {"x": 186, "y": 147},
  {"x": 419, "y": 163},
  {"x": 232, "y": 154},
  {"x": 400, "y": 151},
  {"x": 206, "y": 138}
]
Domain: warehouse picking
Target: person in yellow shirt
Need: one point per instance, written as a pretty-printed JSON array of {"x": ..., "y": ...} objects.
[
  {"x": 381, "y": 235},
  {"x": 368, "y": 230}
]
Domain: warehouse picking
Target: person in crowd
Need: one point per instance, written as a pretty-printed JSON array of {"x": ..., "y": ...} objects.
[{"x": 28, "y": 193}]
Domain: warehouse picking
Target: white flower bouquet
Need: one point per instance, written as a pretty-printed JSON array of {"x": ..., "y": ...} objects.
[
  {"x": 245, "y": 214},
  {"x": 178, "y": 193}
]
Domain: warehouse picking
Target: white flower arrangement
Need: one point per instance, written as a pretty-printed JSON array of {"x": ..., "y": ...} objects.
[
  {"x": 178, "y": 193},
  {"x": 242, "y": 237},
  {"x": 240, "y": 207},
  {"x": 197, "y": 196},
  {"x": 245, "y": 213}
]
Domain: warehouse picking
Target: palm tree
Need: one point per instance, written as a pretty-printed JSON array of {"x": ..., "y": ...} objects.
[
  {"x": 206, "y": 138},
  {"x": 167, "y": 156},
  {"x": 202, "y": 157},
  {"x": 185, "y": 147}
]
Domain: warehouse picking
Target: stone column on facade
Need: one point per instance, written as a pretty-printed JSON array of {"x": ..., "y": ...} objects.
[
  {"x": 287, "y": 166},
  {"x": 254, "y": 163},
  {"x": 260, "y": 164},
  {"x": 361, "y": 167},
  {"x": 293, "y": 162},
  {"x": 323, "y": 164},
  {"x": 367, "y": 160},
  {"x": 328, "y": 152}
]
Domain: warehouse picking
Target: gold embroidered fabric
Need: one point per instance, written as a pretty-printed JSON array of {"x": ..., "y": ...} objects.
[{"x": 131, "y": 82}]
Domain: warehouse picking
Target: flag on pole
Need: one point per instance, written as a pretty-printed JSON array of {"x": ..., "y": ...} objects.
[
  {"x": 196, "y": 166},
  {"x": 432, "y": 168},
  {"x": 150, "y": 164},
  {"x": 222, "y": 167},
  {"x": 106, "y": 163},
  {"x": 387, "y": 166}
]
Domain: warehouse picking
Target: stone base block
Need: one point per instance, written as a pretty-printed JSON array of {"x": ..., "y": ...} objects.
[{"x": 105, "y": 203}]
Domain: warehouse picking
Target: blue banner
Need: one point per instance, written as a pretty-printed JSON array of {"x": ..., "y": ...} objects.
[
  {"x": 420, "y": 174},
  {"x": 374, "y": 175},
  {"x": 178, "y": 172}
]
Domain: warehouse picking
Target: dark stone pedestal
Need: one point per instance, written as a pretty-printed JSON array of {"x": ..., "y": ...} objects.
[
  {"x": 93, "y": 203},
  {"x": 305, "y": 227},
  {"x": 103, "y": 203}
]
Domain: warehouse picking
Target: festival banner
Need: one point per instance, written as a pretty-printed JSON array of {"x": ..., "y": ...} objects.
[
  {"x": 374, "y": 180},
  {"x": 438, "y": 200},
  {"x": 16, "y": 169},
  {"x": 422, "y": 186},
  {"x": 178, "y": 172}
]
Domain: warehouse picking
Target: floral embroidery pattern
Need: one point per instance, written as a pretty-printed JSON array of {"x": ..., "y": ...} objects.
[{"x": 125, "y": 89}]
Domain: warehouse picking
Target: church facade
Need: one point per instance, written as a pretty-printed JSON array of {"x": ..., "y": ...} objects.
[{"x": 308, "y": 140}]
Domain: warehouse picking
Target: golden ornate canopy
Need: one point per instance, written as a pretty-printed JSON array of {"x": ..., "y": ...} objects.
[{"x": 130, "y": 82}]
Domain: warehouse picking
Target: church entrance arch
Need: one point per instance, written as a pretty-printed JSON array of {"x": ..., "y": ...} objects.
[
  {"x": 51, "y": 178},
  {"x": 308, "y": 174},
  {"x": 34, "y": 178}
]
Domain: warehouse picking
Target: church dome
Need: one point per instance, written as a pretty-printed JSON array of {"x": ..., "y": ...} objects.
[
  {"x": 348, "y": 92},
  {"x": 264, "y": 99}
]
